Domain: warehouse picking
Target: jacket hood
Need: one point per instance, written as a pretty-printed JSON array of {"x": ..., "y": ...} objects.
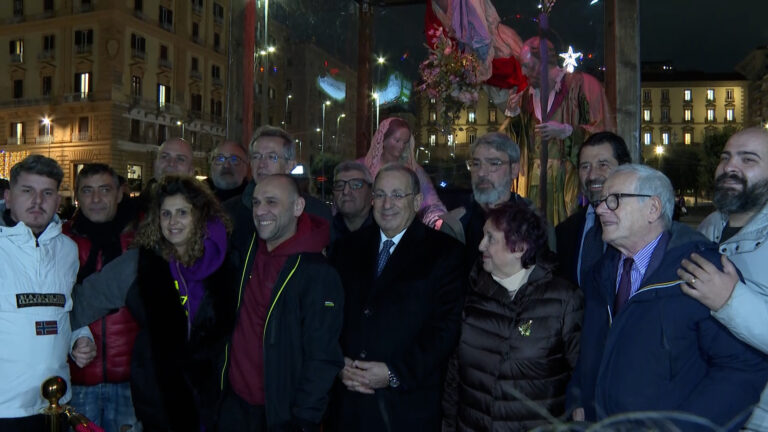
[
  {"x": 312, "y": 235},
  {"x": 749, "y": 237}
]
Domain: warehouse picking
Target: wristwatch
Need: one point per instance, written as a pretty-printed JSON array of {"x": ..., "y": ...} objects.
[{"x": 393, "y": 381}]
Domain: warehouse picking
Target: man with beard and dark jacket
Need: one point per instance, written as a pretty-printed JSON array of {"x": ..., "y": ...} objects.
[
  {"x": 229, "y": 170},
  {"x": 284, "y": 352},
  {"x": 740, "y": 226},
  {"x": 579, "y": 242},
  {"x": 646, "y": 346},
  {"x": 102, "y": 230}
]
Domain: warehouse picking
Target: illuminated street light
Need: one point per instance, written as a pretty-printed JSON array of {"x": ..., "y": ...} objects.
[
  {"x": 47, "y": 123},
  {"x": 381, "y": 60},
  {"x": 376, "y": 97},
  {"x": 322, "y": 150},
  {"x": 341, "y": 116},
  {"x": 285, "y": 115},
  {"x": 271, "y": 49},
  {"x": 181, "y": 123},
  {"x": 659, "y": 153}
]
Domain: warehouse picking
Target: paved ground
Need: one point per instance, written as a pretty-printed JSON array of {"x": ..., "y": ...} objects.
[{"x": 697, "y": 214}]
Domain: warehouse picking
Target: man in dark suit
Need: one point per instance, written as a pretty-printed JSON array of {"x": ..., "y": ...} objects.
[
  {"x": 579, "y": 244},
  {"x": 403, "y": 284}
]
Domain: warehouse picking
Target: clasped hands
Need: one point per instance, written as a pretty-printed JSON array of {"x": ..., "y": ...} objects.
[{"x": 364, "y": 376}]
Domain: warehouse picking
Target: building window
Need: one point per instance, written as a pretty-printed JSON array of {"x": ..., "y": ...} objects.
[
  {"x": 138, "y": 5},
  {"x": 665, "y": 138},
  {"x": 45, "y": 129},
  {"x": 665, "y": 96},
  {"x": 18, "y": 8},
  {"x": 432, "y": 139},
  {"x": 16, "y": 49},
  {"x": 492, "y": 115},
  {"x": 730, "y": 115},
  {"x": 165, "y": 18},
  {"x": 288, "y": 85},
  {"x": 688, "y": 137},
  {"x": 450, "y": 140},
  {"x": 687, "y": 95},
  {"x": 687, "y": 114},
  {"x": 83, "y": 127},
  {"x": 136, "y": 86},
  {"x": 17, "y": 131},
  {"x": 646, "y": 115},
  {"x": 135, "y": 130},
  {"x": 82, "y": 84},
  {"x": 710, "y": 114},
  {"x": 49, "y": 43},
  {"x": 48, "y": 6},
  {"x": 647, "y": 138},
  {"x": 432, "y": 101},
  {"x": 162, "y": 133},
  {"x": 433, "y": 116},
  {"x": 196, "y": 32},
  {"x": 216, "y": 41},
  {"x": 665, "y": 114},
  {"x": 163, "y": 95},
  {"x": 197, "y": 103},
  {"x": 729, "y": 95},
  {"x": 195, "y": 64},
  {"x": 218, "y": 13},
  {"x": 646, "y": 96},
  {"x": 18, "y": 89},
  {"x": 710, "y": 95},
  {"x": 471, "y": 116},
  {"x": 163, "y": 52},
  {"x": 216, "y": 109},
  {"x": 138, "y": 46},
  {"x": 46, "y": 85},
  {"x": 271, "y": 93},
  {"x": 83, "y": 41},
  {"x": 216, "y": 73},
  {"x": 471, "y": 136}
]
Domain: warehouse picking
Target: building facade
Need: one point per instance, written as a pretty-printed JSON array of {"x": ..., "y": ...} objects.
[
  {"x": 755, "y": 68},
  {"x": 109, "y": 80}
]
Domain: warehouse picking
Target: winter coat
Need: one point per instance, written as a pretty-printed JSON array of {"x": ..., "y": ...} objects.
[
  {"x": 512, "y": 352},
  {"x": 663, "y": 351},
  {"x": 746, "y": 311}
]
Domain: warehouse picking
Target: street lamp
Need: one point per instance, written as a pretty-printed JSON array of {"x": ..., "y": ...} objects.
[
  {"x": 181, "y": 123},
  {"x": 285, "y": 115},
  {"x": 298, "y": 141},
  {"x": 341, "y": 116},
  {"x": 322, "y": 151},
  {"x": 265, "y": 79},
  {"x": 47, "y": 123},
  {"x": 376, "y": 97},
  {"x": 659, "y": 153}
]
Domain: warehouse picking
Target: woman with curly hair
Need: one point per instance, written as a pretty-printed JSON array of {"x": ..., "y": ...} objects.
[
  {"x": 184, "y": 305},
  {"x": 393, "y": 142}
]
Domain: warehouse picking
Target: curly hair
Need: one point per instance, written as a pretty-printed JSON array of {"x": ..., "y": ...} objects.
[
  {"x": 205, "y": 207},
  {"x": 522, "y": 226}
]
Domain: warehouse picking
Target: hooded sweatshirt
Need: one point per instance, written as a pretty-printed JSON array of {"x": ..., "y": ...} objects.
[{"x": 246, "y": 374}]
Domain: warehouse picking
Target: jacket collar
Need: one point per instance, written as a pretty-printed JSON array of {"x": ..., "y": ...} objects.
[{"x": 749, "y": 237}]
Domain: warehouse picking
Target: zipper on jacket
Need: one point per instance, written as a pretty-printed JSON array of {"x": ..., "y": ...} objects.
[
  {"x": 277, "y": 296},
  {"x": 184, "y": 299},
  {"x": 237, "y": 307}
]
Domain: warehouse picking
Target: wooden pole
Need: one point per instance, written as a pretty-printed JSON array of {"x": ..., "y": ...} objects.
[
  {"x": 622, "y": 69},
  {"x": 363, "y": 105}
]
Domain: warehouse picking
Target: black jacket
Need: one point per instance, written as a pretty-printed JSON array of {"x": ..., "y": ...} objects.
[
  {"x": 174, "y": 378},
  {"x": 408, "y": 318},
  {"x": 301, "y": 350},
  {"x": 569, "y": 233},
  {"x": 512, "y": 351}
]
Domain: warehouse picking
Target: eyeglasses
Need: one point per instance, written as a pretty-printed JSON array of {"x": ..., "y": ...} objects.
[
  {"x": 354, "y": 184},
  {"x": 271, "y": 157},
  {"x": 612, "y": 200},
  {"x": 394, "y": 196},
  {"x": 492, "y": 164},
  {"x": 221, "y": 159}
]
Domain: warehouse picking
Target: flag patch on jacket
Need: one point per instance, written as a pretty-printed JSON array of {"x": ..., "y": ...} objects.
[{"x": 43, "y": 328}]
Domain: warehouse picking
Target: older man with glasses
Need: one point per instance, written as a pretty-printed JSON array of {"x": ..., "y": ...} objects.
[
  {"x": 646, "y": 346},
  {"x": 352, "y": 184},
  {"x": 272, "y": 151},
  {"x": 229, "y": 170}
]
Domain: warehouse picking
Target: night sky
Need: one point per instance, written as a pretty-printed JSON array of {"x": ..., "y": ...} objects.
[{"x": 707, "y": 35}]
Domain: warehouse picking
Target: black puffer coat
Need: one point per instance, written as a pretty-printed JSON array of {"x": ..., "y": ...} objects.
[{"x": 513, "y": 348}]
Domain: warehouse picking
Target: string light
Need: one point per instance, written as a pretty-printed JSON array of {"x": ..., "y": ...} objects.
[{"x": 569, "y": 59}]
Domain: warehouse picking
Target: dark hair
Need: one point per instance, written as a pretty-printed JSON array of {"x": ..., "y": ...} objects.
[
  {"x": 205, "y": 207},
  {"x": 4, "y": 185},
  {"x": 40, "y": 165},
  {"x": 522, "y": 226},
  {"x": 93, "y": 169},
  {"x": 620, "y": 151},
  {"x": 351, "y": 165},
  {"x": 289, "y": 149},
  {"x": 398, "y": 167},
  {"x": 395, "y": 125}
]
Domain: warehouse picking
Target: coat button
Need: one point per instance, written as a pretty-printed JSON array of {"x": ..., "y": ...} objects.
[
  {"x": 367, "y": 313},
  {"x": 363, "y": 354}
]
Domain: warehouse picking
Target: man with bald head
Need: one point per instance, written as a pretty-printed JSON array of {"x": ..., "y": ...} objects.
[
  {"x": 173, "y": 157},
  {"x": 285, "y": 352},
  {"x": 740, "y": 226},
  {"x": 229, "y": 170}
]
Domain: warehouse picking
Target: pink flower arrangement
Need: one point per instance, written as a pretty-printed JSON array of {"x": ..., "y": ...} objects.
[{"x": 449, "y": 75}]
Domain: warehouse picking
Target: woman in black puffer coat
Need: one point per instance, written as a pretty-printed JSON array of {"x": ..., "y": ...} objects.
[{"x": 520, "y": 332}]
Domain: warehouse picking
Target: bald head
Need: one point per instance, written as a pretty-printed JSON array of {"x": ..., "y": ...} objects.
[
  {"x": 276, "y": 208},
  {"x": 229, "y": 165},
  {"x": 174, "y": 157}
]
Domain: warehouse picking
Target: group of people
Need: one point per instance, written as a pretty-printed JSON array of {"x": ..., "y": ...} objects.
[{"x": 243, "y": 303}]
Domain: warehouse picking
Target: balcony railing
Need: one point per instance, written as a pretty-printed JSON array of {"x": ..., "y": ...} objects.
[
  {"x": 166, "y": 26},
  {"x": 47, "y": 55},
  {"x": 218, "y": 20},
  {"x": 81, "y": 136},
  {"x": 77, "y": 97},
  {"x": 83, "y": 49},
  {"x": 197, "y": 9},
  {"x": 194, "y": 74},
  {"x": 15, "y": 140},
  {"x": 217, "y": 81},
  {"x": 139, "y": 54},
  {"x": 44, "y": 139},
  {"x": 164, "y": 63},
  {"x": 17, "y": 58},
  {"x": 85, "y": 7}
]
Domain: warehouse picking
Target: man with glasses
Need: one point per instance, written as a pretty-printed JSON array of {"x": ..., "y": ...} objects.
[
  {"x": 493, "y": 165},
  {"x": 272, "y": 151},
  {"x": 229, "y": 170},
  {"x": 646, "y": 346},
  {"x": 403, "y": 284},
  {"x": 579, "y": 238},
  {"x": 352, "y": 184}
]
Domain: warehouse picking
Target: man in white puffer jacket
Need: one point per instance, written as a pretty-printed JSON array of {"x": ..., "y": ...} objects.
[
  {"x": 740, "y": 226},
  {"x": 39, "y": 265}
]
